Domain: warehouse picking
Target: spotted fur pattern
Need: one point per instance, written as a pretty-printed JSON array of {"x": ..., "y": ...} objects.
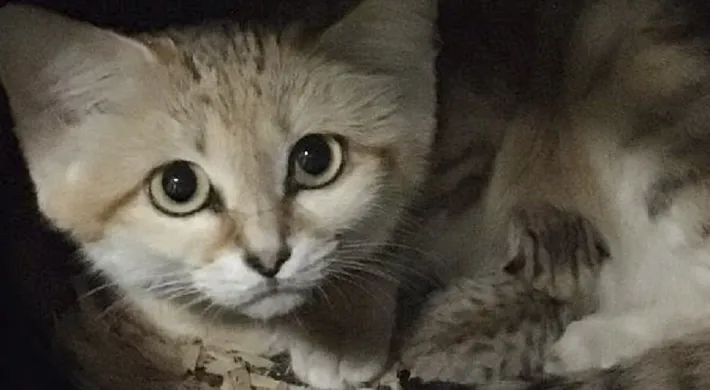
[
  {"x": 679, "y": 365},
  {"x": 480, "y": 330},
  {"x": 610, "y": 123}
]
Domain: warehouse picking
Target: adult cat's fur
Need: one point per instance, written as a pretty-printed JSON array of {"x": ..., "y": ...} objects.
[
  {"x": 481, "y": 330},
  {"x": 97, "y": 112},
  {"x": 611, "y": 122},
  {"x": 622, "y": 140},
  {"x": 679, "y": 365}
]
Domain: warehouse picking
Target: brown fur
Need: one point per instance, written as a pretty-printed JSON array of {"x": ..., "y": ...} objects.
[
  {"x": 612, "y": 125},
  {"x": 481, "y": 330},
  {"x": 601, "y": 113}
]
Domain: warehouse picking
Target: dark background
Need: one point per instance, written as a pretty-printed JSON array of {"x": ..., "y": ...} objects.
[{"x": 35, "y": 263}]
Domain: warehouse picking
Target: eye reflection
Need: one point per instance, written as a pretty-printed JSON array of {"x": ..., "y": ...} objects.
[
  {"x": 179, "y": 188},
  {"x": 316, "y": 160}
]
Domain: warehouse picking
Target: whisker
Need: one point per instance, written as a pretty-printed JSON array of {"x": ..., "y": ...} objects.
[
  {"x": 194, "y": 302},
  {"x": 167, "y": 284},
  {"x": 97, "y": 290},
  {"x": 177, "y": 292},
  {"x": 119, "y": 302},
  {"x": 324, "y": 294},
  {"x": 364, "y": 270},
  {"x": 385, "y": 246},
  {"x": 394, "y": 269},
  {"x": 352, "y": 279}
]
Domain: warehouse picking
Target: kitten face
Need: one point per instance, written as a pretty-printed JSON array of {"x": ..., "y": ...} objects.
[
  {"x": 220, "y": 167},
  {"x": 249, "y": 198}
]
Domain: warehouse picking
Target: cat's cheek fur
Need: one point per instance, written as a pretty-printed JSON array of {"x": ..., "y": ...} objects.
[
  {"x": 191, "y": 240},
  {"x": 140, "y": 248},
  {"x": 344, "y": 202},
  {"x": 132, "y": 267}
]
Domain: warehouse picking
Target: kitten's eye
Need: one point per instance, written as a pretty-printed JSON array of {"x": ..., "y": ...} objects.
[
  {"x": 316, "y": 160},
  {"x": 179, "y": 188}
]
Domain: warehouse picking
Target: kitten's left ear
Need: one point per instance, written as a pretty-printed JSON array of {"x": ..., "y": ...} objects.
[
  {"x": 393, "y": 36},
  {"x": 60, "y": 74},
  {"x": 48, "y": 61}
]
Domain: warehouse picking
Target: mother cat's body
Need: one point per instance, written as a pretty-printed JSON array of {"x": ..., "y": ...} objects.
[{"x": 611, "y": 121}]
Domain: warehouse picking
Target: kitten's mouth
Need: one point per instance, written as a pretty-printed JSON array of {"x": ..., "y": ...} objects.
[
  {"x": 263, "y": 298},
  {"x": 275, "y": 304},
  {"x": 269, "y": 300},
  {"x": 275, "y": 290}
]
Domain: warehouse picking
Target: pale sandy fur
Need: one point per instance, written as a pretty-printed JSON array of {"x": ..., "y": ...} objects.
[{"x": 96, "y": 112}]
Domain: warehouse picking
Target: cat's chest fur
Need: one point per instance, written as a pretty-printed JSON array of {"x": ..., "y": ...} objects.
[{"x": 665, "y": 261}]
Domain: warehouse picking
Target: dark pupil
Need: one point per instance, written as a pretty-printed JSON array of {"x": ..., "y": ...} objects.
[
  {"x": 313, "y": 154},
  {"x": 179, "y": 182}
]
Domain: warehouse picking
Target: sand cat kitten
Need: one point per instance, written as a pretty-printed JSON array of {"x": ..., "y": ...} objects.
[
  {"x": 481, "y": 330},
  {"x": 234, "y": 172}
]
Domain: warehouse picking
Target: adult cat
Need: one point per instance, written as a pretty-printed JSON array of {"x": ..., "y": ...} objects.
[{"x": 609, "y": 119}]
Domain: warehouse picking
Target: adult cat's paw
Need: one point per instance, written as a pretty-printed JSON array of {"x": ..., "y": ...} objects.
[
  {"x": 328, "y": 370},
  {"x": 596, "y": 342}
]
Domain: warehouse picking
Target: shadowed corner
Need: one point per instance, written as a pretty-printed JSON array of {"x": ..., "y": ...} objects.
[
  {"x": 152, "y": 15},
  {"x": 34, "y": 268}
]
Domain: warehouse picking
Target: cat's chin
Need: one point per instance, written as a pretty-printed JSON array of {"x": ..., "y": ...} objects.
[{"x": 273, "y": 305}]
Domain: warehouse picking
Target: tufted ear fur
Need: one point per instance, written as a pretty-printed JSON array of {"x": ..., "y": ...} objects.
[
  {"x": 49, "y": 62},
  {"x": 389, "y": 35},
  {"x": 59, "y": 75}
]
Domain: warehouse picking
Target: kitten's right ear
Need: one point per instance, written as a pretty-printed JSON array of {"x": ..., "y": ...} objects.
[
  {"x": 389, "y": 35},
  {"x": 50, "y": 62}
]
